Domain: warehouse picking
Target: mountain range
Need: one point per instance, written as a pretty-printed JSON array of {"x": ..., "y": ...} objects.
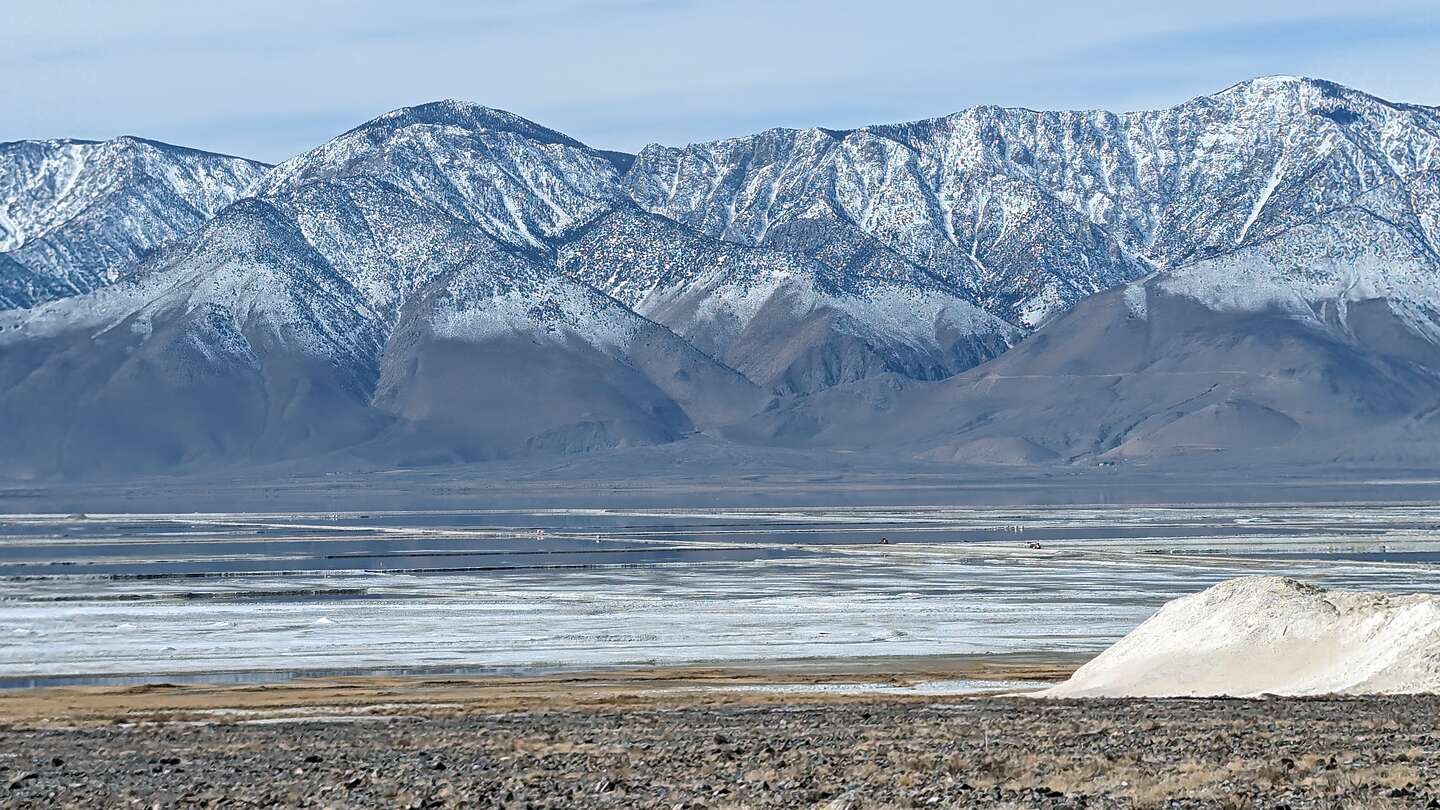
[{"x": 1250, "y": 274}]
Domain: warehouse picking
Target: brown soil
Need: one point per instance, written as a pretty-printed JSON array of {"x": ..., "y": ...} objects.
[{"x": 676, "y": 738}]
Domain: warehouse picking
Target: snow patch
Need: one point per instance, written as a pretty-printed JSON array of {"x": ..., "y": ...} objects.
[
  {"x": 914, "y": 316},
  {"x": 1276, "y": 174},
  {"x": 1135, "y": 301},
  {"x": 552, "y": 311},
  {"x": 1343, "y": 260}
]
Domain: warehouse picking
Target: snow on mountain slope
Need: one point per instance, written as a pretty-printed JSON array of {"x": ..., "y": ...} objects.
[
  {"x": 242, "y": 345},
  {"x": 1320, "y": 342},
  {"x": 1192, "y": 180},
  {"x": 344, "y": 312},
  {"x": 1171, "y": 366},
  {"x": 520, "y": 182},
  {"x": 385, "y": 242},
  {"x": 535, "y": 190},
  {"x": 454, "y": 209},
  {"x": 506, "y": 357},
  {"x": 999, "y": 200},
  {"x": 76, "y": 214},
  {"x": 1316, "y": 270},
  {"x": 1005, "y": 241},
  {"x": 19, "y": 287},
  {"x": 786, "y": 321},
  {"x": 1252, "y": 272}
]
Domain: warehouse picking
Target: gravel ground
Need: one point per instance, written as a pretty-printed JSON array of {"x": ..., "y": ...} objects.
[{"x": 989, "y": 752}]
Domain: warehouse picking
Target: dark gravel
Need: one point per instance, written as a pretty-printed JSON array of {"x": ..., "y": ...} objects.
[{"x": 983, "y": 753}]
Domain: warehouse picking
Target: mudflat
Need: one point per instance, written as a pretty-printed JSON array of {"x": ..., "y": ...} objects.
[
  {"x": 697, "y": 737},
  {"x": 831, "y": 679}
]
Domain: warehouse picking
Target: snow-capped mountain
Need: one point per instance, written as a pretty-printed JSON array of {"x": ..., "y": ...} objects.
[
  {"x": 347, "y": 311},
  {"x": 1031, "y": 211},
  {"x": 522, "y": 183},
  {"x": 559, "y": 201},
  {"x": 74, "y": 215},
  {"x": 1319, "y": 342},
  {"x": 449, "y": 282},
  {"x": 1270, "y": 255},
  {"x": 787, "y": 321}
]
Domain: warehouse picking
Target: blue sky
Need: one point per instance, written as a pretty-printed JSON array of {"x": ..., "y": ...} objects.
[{"x": 271, "y": 78}]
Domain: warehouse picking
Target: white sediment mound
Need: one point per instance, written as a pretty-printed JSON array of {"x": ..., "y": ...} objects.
[{"x": 1258, "y": 635}]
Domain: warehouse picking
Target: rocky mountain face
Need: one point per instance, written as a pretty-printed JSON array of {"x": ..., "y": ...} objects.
[
  {"x": 1248, "y": 270},
  {"x": 1321, "y": 342},
  {"x": 76, "y": 215},
  {"x": 364, "y": 302},
  {"x": 787, "y": 321},
  {"x": 1031, "y": 211}
]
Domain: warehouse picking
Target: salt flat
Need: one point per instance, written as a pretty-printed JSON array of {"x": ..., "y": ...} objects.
[{"x": 267, "y": 595}]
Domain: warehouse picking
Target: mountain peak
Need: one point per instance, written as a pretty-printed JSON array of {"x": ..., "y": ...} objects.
[
  {"x": 118, "y": 143},
  {"x": 1306, "y": 88},
  {"x": 1273, "y": 81},
  {"x": 449, "y": 125},
  {"x": 76, "y": 211},
  {"x": 466, "y": 115},
  {"x": 1263, "y": 242},
  {"x": 1288, "y": 87}
]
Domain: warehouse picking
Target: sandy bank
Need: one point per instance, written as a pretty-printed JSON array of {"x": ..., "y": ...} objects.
[
  {"x": 441, "y": 695},
  {"x": 1275, "y": 635}
]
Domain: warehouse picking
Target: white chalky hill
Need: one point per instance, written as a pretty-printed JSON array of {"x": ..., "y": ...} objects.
[{"x": 1258, "y": 635}]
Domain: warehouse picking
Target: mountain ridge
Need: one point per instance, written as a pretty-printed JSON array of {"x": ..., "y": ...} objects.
[
  {"x": 79, "y": 214},
  {"x": 457, "y": 283}
]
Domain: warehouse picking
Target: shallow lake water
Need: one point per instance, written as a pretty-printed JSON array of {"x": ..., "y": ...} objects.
[{"x": 261, "y": 596}]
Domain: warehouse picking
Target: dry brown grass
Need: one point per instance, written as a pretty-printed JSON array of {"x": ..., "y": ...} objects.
[
  {"x": 1149, "y": 786},
  {"x": 677, "y": 686}
]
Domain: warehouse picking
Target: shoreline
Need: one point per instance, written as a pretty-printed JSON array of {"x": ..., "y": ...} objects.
[{"x": 161, "y": 699}]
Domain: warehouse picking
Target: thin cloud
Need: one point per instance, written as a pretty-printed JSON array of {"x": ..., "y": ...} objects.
[{"x": 270, "y": 79}]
